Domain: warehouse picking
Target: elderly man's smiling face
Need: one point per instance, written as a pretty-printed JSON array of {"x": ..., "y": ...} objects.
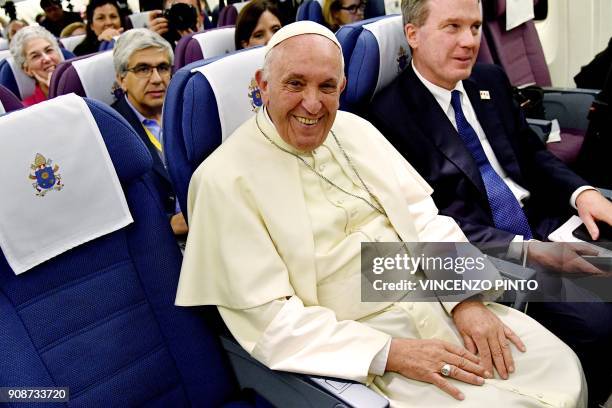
[{"x": 301, "y": 89}]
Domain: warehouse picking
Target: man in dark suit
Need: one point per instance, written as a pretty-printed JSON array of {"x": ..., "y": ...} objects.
[
  {"x": 143, "y": 65},
  {"x": 457, "y": 124}
]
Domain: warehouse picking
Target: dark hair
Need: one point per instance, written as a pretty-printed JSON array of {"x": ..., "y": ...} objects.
[
  {"x": 46, "y": 3},
  {"x": 248, "y": 18},
  {"x": 90, "y": 43},
  {"x": 89, "y": 12}
]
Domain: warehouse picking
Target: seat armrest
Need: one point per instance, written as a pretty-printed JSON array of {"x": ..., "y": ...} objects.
[
  {"x": 285, "y": 389},
  {"x": 541, "y": 127},
  {"x": 570, "y": 106},
  {"x": 512, "y": 271}
]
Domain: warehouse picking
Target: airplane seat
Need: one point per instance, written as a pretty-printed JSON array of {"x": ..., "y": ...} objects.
[
  {"x": 205, "y": 44},
  {"x": 13, "y": 77},
  {"x": 70, "y": 43},
  {"x": 379, "y": 53},
  {"x": 311, "y": 10},
  {"x": 519, "y": 52},
  {"x": 202, "y": 109},
  {"x": 347, "y": 37},
  {"x": 100, "y": 318},
  {"x": 192, "y": 120},
  {"x": 229, "y": 14},
  {"x": 5, "y": 53},
  {"x": 91, "y": 76},
  {"x": 8, "y": 101},
  {"x": 138, "y": 20},
  {"x": 484, "y": 53},
  {"x": 375, "y": 8}
]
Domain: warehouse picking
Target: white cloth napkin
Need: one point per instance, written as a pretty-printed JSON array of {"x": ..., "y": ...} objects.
[
  {"x": 74, "y": 196},
  {"x": 216, "y": 42},
  {"x": 518, "y": 12},
  {"x": 97, "y": 75},
  {"x": 232, "y": 79}
]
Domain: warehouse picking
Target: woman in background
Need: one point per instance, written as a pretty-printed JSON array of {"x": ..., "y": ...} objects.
[
  {"x": 256, "y": 24},
  {"x": 73, "y": 29},
  {"x": 36, "y": 51},
  {"x": 103, "y": 24},
  {"x": 337, "y": 13}
]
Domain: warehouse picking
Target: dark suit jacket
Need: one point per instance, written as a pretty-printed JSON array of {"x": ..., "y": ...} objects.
[
  {"x": 409, "y": 116},
  {"x": 161, "y": 179}
]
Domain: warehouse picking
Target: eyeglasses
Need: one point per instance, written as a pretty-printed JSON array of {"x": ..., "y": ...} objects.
[
  {"x": 355, "y": 7},
  {"x": 145, "y": 70}
]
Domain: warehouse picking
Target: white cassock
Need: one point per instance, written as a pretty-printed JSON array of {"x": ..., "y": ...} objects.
[{"x": 277, "y": 249}]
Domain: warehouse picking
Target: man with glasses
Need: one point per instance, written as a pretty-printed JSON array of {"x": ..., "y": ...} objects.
[{"x": 143, "y": 65}]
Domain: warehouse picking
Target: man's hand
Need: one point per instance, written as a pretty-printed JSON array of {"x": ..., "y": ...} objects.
[
  {"x": 178, "y": 224},
  {"x": 563, "y": 257},
  {"x": 109, "y": 34},
  {"x": 422, "y": 360},
  {"x": 592, "y": 206},
  {"x": 484, "y": 334},
  {"x": 157, "y": 23}
]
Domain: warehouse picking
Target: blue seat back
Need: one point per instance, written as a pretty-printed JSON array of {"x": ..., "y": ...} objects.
[
  {"x": 202, "y": 109},
  {"x": 311, "y": 10},
  {"x": 376, "y": 51},
  {"x": 100, "y": 318}
]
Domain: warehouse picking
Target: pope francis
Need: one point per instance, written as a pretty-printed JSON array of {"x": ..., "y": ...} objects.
[{"x": 277, "y": 215}]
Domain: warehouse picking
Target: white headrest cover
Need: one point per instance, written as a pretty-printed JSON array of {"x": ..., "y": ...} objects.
[
  {"x": 70, "y": 43},
  {"x": 393, "y": 48},
  {"x": 232, "y": 79},
  {"x": 216, "y": 42},
  {"x": 63, "y": 188},
  {"x": 518, "y": 12},
  {"x": 25, "y": 83},
  {"x": 97, "y": 75}
]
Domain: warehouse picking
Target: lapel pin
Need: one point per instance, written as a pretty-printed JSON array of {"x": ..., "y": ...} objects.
[{"x": 485, "y": 95}]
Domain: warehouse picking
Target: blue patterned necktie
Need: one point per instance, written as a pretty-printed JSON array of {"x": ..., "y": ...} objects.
[{"x": 507, "y": 212}]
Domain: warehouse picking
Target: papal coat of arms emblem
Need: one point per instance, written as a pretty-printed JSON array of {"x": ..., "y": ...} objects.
[
  {"x": 402, "y": 59},
  {"x": 46, "y": 177},
  {"x": 255, "y": 96}
]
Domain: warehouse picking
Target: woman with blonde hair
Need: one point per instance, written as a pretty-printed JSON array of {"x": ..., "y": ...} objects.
[
  {"x": 73, "y": 29},
  {"x": 337, "y": 13}
]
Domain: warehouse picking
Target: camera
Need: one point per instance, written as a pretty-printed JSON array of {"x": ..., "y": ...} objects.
[{"x": 181, "y": 17}]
